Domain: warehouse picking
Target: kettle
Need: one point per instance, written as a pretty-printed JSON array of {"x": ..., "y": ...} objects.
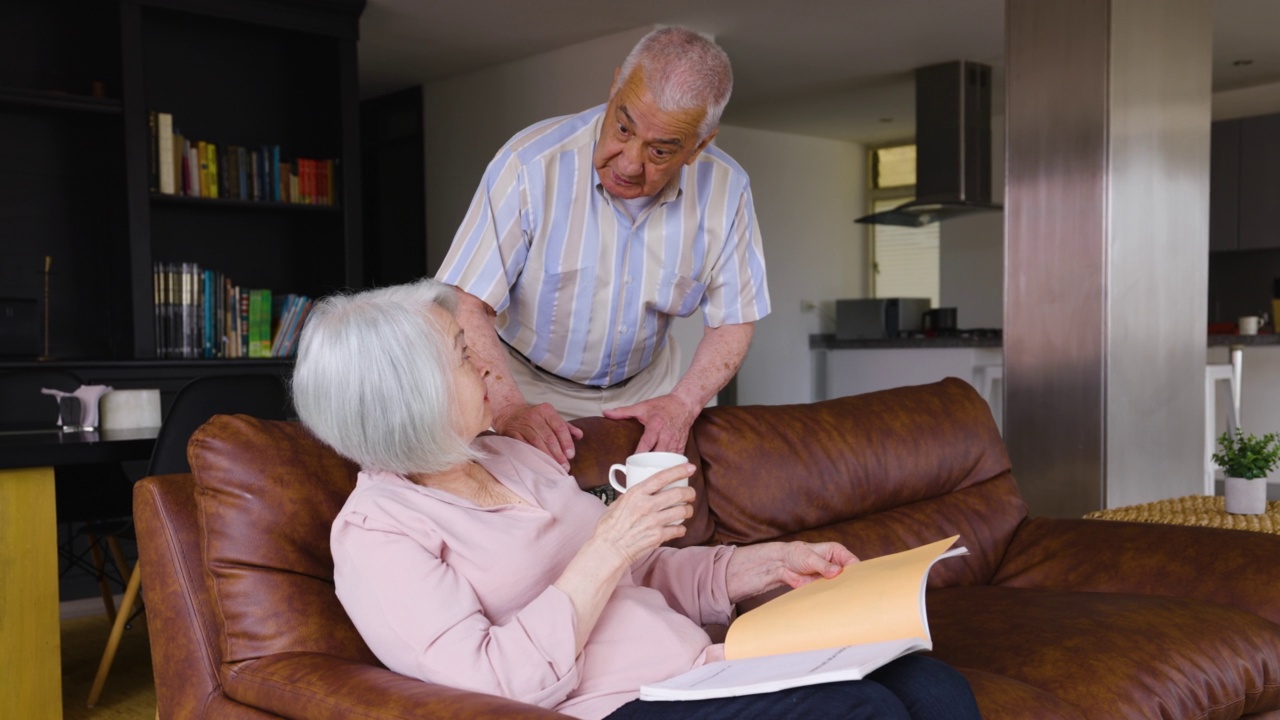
[{"x": 938, "y": 319}]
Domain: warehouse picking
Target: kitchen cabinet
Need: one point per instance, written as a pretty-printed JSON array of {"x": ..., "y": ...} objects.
[
  {"x": 1224, "y": 186},
  {"x": 1244, "y": 184},
  {"x": 852, "y": 372},
  {"x": 1260, "y": 182}
]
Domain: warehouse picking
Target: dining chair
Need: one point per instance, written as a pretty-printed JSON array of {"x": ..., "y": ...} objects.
[{"x": 259, "y": 395}]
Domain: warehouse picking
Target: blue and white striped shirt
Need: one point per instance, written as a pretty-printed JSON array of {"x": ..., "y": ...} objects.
[{"x": 581, "y": 289}]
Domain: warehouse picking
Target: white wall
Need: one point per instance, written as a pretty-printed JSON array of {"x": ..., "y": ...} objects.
[
  {"x": 807, "y": 192},
  {"x": 468, "y": 117}
]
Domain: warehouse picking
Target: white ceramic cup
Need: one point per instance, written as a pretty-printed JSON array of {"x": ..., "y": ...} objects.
[
  {"x": 641, "y": 465},
  {"x": 1248, "y": 324}
]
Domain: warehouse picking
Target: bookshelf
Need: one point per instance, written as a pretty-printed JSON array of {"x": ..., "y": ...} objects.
[{"x": 78, "y": 81}]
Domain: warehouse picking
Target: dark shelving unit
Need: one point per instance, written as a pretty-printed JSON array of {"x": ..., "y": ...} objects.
[{"x": 78, "y": 79}]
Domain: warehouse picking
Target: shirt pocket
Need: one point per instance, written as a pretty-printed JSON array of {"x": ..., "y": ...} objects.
[
  {"x": 560, "y": 296},
  {"x": 678, "y": 295}
]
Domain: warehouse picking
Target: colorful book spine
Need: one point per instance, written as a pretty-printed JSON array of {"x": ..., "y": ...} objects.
[
  {"x": 244, "y": 322},
  {"x": 242, "y": 165},
  {"x": 153, "y": 178}
]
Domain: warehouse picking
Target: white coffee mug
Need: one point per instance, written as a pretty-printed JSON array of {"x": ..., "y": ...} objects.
[
  {"x": 1248, "y": 324},
  {"x": 641, "y": 465}
]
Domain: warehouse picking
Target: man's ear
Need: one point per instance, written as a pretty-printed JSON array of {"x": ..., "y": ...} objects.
[{"x": 702, "y": 146}]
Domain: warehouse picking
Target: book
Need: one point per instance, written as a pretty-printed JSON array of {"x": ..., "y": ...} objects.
[
  {"x": 275, "y": 173},
  {"x": 211, "y": 163},
  {"x": 832, "y": 630},
  {"x": 153, "y": 177},
  {"x": 244, "y": 294},
  {"x": 293, "y": 312},
  {"x": 164, "y": 152},
  {"x": 260, "y": 323},
  {"x": 179, "y": 159},
  {"x": 291, "y": 348}
]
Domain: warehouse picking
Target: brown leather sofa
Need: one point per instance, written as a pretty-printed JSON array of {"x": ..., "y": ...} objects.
[{"x": 1048, "y": 618}]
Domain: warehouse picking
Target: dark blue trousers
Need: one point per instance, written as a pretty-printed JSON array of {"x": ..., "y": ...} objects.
[{"x": 910, "y": 688}]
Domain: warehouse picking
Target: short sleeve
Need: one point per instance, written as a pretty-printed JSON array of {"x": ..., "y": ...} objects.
[
  {"x": 490, "y": 248},
  {"x": 738, "y": 291}
]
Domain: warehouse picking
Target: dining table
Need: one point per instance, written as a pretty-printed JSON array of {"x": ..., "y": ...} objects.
[{"x": 30, "y": 644}]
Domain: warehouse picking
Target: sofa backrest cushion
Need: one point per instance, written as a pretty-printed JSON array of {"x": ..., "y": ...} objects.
[
  {"x": 605, "y": 442},
  {"x": 913, "y": 462},
  {"x": 268, "y": 492}
]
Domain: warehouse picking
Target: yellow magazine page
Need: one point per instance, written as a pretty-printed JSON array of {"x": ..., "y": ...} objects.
[{"x": 870, "y": 601}]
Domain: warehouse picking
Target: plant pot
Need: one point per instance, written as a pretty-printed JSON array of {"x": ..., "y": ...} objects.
[{"x": 1246, "y": 497}]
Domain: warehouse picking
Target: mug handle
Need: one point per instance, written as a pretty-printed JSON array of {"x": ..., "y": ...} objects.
[{"x": 614, "y": 481}]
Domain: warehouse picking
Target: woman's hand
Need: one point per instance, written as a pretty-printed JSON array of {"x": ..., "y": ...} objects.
[
  {"x": 802, "y": 563},
  {"x": 636, "y": 523},
  {"x": 753, "y": 569},
  {"x": 648, "y": 514}
]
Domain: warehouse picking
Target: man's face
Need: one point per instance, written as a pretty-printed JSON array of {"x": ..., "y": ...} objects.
[{"x": 642, "y": 147}]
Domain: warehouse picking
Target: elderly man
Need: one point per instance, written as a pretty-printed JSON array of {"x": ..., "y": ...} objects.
[{"x": 590, "y": 232}]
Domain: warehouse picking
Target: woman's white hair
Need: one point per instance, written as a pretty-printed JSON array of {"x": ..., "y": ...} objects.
[
  {"x": 374, "y": 379},
  {"x": 684, "y": 71}
]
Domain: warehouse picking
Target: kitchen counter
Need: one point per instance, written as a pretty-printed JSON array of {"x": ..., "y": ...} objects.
[
  {"x": 1227, "y": 340},
  {"x": 828, "y": 341}
]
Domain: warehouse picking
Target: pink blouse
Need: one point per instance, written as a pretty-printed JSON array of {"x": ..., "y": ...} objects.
[{"x": 456, "y": 594}]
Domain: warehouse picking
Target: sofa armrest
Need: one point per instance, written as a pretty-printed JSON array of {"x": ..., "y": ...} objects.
[
  {"x": 312, "y": 685},
  {"x": 1230, "y": 567}
]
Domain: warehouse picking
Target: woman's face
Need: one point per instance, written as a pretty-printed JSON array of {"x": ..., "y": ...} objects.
[{"x": 469, "y": 373}]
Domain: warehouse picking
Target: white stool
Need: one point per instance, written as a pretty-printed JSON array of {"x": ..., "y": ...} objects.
[
  {"x": 1214, "y": 374},
  {"x": 985, "y": 378}
]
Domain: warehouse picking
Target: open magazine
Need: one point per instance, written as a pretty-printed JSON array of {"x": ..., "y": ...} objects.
[{"x": 844, "y": 628}]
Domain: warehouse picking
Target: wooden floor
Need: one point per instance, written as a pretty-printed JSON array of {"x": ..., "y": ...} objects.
[{"x": 130, "y": 690}]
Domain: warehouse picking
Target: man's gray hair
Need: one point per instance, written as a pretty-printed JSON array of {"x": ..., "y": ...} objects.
[
  {"x": 374, "y": 379},
  {"x": 684, "y": 71}
]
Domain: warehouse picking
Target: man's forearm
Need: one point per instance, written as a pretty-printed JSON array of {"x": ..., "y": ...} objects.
[
  {"x": 719, "y": 355},
  {"x": 475, "y": 317},
  {"x": 513, "y": 416}
]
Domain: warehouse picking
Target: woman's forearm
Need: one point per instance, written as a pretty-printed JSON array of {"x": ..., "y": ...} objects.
[
  {"x": 753, "y": 569},
  {"x": 589, "y": 581},
  {"x": 756, "y": 568}
]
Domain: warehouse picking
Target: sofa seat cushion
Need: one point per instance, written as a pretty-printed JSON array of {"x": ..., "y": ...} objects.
[
  {"x": 314, "y": 685},
  {"x": 1003, "y": 698},
  {"x": 1114, "y": 655}
]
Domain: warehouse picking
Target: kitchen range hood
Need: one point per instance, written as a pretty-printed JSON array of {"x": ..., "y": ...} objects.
[{"x": 953, "y": 146}]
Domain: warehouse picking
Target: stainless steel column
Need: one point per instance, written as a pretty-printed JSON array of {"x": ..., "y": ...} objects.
[{"x": 1106, "y": 249}]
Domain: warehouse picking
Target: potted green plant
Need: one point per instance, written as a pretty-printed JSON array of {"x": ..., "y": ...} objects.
[{"x": 1247, "y": 459}]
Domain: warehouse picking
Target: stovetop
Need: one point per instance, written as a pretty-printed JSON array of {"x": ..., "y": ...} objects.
[{"x": 984, "y": 333}]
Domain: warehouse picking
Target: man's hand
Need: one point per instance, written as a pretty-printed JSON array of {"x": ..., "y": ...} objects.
[
  {"x": 666, "y": 421},
  {"x": 540, "y": 426}
]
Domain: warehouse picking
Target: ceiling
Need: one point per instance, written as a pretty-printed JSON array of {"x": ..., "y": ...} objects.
[{"x": 829, "y": 68}]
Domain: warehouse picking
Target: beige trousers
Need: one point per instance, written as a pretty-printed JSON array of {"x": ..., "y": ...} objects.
[{"x": 574, "y": 401}]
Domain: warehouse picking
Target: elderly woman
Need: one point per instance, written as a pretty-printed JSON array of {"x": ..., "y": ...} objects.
[{"x": 472, "y": 560}]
